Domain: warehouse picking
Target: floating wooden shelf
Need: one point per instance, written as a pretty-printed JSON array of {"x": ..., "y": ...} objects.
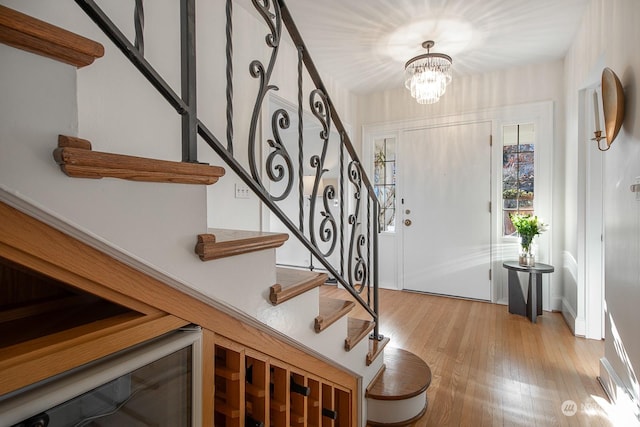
[
  {"x": 77, "y": 160},
  {"x": 292, "y": 283},
  {"x": 33, "y": 35},
  {"x": 358, "y": 329},
  {"x": 219, "y": 243},
  {"x": 330, "y": 311}
]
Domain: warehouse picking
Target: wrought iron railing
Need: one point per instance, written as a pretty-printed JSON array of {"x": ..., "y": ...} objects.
[{"x": 353, "y": 231}]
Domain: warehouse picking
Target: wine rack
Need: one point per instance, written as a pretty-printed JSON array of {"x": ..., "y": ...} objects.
[{"x": 255, "y": 390}]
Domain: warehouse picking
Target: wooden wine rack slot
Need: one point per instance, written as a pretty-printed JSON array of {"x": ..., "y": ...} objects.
[
  {"x": 222, "y": 408},
  {"x": 256, "y": 384},
  {"x": 255, "y": 391},
  {"x": 254, "y": 388},
  {"x": 277, "y": 406},
  {"x": 228, "y": 374},
  {"x": 229, "y": 404}
]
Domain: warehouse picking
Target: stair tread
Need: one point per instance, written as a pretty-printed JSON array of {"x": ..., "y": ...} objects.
[
  {"x": 375, "y": 348},
  {"x": 78, "y": 160},
  {"x": 220, "y": 243},
  {"x": 357, "y": 330},
  {"x": 331, "y": 310},
  {"x": 292, "y": 282},
  {"x": 33, "y": 35},
  {"x": 405, "y": 376}
]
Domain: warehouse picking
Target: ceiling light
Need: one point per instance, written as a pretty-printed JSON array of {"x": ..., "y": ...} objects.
[{"x": 428, "y": 75}]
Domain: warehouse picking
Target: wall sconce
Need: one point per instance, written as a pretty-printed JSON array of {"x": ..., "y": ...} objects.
[{"x": 612, "y": 108}]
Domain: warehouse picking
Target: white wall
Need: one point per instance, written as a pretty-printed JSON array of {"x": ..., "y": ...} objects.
[{"x": 610, "y": 28}]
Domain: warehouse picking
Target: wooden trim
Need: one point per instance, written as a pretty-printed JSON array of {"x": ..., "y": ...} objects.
[
  {"x": 358, "y": 329},
  {"x": 291, "y": 283},
  {"x": 28, "y": 242},
  {"x": 375, "y": 348},
  {"x": 220, "y": 243},
  {"x": 79, "y": 161},
  {"x": 33, "y": 35},
  {"x": 208, "y": 379},
  {"x": 331, "y": 310},
  {"x": 20, "y": 369}
]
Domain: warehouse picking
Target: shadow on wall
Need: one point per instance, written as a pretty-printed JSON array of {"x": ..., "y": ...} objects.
[{"x": 630, "y": 95}]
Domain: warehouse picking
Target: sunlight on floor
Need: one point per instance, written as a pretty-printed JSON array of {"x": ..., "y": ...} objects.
[{"x": 619, "y": 414}]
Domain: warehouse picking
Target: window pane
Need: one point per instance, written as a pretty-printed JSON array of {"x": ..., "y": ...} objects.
[
  {"x": 518, "y": 172},
  {"x": 384, "y": 181}
]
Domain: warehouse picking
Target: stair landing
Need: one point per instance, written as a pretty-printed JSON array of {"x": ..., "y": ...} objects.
[{"x": 398, "y": 396}]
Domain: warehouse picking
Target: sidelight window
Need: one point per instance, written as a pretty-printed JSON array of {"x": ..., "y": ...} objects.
[
  {"x": 518, "y": 172},
  {"x": 384, "y": 181}
]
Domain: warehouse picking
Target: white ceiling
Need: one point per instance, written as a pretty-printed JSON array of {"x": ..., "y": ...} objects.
[{"x": 363, "y": 44}]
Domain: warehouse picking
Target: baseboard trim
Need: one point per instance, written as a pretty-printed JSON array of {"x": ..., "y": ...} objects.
[
  {"x": 576, "y": 324},
  {"x": 619, "y": 395}
]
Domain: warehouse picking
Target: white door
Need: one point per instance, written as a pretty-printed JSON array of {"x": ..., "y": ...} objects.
[{"x": 446, "y": 179}]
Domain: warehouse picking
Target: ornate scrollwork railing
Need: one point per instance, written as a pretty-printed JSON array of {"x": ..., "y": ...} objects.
[{"x": 353, "y": 231}]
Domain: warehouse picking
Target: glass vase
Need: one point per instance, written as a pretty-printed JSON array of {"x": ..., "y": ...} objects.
[{"x": 527, "y": 256}]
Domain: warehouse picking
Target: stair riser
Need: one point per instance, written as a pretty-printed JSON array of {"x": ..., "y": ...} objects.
[{"x": 396, "y": 411}]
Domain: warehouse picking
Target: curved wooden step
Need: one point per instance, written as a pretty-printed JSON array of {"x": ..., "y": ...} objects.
[
  {"x": 292, "y": 282},
  {"x": 357, "y": 330},
  {"x": 33, "y": 35},
  {"x": 398, "y": 396},
  {"x": 220, "y": 243},
  {"x": 77, "y": 160},
  {"x": 331, "y": 309}
]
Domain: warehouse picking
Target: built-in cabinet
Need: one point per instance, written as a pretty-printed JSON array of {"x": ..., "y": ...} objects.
[{"x": 65, "y": 306}]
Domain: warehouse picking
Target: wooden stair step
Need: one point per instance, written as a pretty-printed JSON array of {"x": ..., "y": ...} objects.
[
  {"x": 331, "y": 309},
  {"x": 291, "y": 283},
  {"x": 357, "y": 330},
  {"x": 77, "y": 160},
  {"x": 375, "y": 348},
  {"x": 220, "y": 243},
  {"x": 33, "y": 35},
  {"x": 402, "y": 386}
]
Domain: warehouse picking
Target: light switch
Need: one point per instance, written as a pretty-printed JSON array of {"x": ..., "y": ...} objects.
[{"x": 242, "y": 191}]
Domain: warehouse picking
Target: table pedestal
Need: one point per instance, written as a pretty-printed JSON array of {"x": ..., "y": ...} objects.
[{"x": 532, "y": 307}]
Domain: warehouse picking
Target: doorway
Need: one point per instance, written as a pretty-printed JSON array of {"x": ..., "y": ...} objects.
[{"x": 445, "y": 206}]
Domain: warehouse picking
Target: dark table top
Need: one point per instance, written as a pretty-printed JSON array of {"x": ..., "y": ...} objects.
[{"x": 538, "y": 268}]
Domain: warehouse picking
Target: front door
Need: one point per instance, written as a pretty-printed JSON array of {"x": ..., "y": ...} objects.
[{"x": 446, "y": 176}]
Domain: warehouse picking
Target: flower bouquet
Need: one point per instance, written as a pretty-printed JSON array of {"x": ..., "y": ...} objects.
[{"x": 528, "y": 227}]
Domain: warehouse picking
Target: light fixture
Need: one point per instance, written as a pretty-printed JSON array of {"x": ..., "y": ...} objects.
[
  {"x": 428, "y": 75},
  {"x": 612, "y": 108}
]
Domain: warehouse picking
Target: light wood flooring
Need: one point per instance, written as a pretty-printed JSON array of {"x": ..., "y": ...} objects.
[{"x": 492, "y": 368}]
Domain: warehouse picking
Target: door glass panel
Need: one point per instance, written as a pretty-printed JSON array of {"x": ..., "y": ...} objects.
[
  {"x": 518, "y": 172},
  {"x": 384, "y": 181}
]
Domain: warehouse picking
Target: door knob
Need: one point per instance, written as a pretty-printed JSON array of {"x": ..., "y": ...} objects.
[{"x": 407, "y": 222}]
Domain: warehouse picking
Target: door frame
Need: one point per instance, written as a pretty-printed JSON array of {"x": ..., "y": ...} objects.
[{"x": 539, "y": 113}]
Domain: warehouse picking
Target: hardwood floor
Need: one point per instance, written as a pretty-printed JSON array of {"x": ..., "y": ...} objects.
[{"x": 492, "y": 368}]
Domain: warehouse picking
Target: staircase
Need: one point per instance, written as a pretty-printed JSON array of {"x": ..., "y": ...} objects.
[{"x": 287, "y": 300}]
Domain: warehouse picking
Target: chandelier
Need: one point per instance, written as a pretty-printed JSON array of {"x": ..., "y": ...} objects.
[{"x": 428, "y": 75}]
